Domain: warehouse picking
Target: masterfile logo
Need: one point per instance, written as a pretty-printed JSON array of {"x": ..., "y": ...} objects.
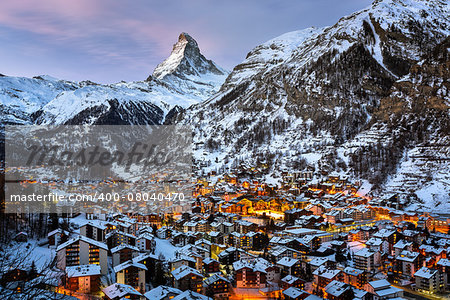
[{"x": 95, "y": 164}]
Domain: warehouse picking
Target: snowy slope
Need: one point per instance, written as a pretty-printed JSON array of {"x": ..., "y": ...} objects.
[
  {"x": 20, "y": 97},
  {"x": 309, "y": 97}
]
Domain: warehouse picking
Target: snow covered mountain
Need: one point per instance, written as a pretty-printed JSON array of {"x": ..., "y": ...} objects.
[
  {"x": 185, "y": 78},
  {"x": 313, "y": 97},
  {"x": 188, "y": 69}
]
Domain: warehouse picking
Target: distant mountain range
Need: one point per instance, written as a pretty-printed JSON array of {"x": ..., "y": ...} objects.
[{"x": 367, "y": 96}]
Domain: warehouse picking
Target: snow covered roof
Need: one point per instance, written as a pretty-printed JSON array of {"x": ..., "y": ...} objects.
[
  {"x": 382, "y": 283},
  {"x": 389, "y": 291},
  {"x": 322, "y": 271},
  {"x": 353, "y": 271},
  {"x": 364, "y": 252},
  {"x": 257, "y": 265},
  {"x": 336, "y": 288},
  {"x": 294, "y": 292},
  {"x": 318, "y": 261},
  {"x": 123, "y": 246},
  {"x": 425, "y": 272},
  {"x": 119, "y": 290},
  {"x": 127, "y": 264},
  {"x": 209, "y": 260},
  {"x": 407, "y": 256},
  {"x": 287, "y": 262},
  {"x": 384, "y": 233},
  {"x": 94, "y": 224},
  {"x": 445, "y": 262},
  {"x": 289, "y": 279},
  {"x": 374, "y": 242},
  {"x": 214, "y": 278},
  {"x": 83, "y": 270},
  {"x": 162, "y": 292},
  {"x": 184, "y": 271},
  {"x": 402, "y": 244},
  {"x": 84, "y": 239}
]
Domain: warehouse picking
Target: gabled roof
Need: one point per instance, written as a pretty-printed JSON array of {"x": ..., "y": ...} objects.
[
  {"x": 123, "y": 246},
  {"x": 425, "y": 272},
  {"x": 322, "y": 271},
  {"x": 162, "y": 292},
  {"x": 84, "y": 239},
  {"x": 382, "y": 283},
  {"x": 287, "y": 262},
  {"x": 289, "y": 279},
  {"x": 127, "y": 264},
  {"x": 83, "y": 270},
  {"x": 336, "y": 288},
  {"x": 215, "y": 277},
  {"x": 184, "y": 271},
  {"x": 119, "y": 290}
]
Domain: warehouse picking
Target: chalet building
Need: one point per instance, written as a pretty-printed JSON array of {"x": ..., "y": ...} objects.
[
  {"x": 243, "y": 226},
  {"x": 187, "y": 278},
  {"x": 401, "y": 246},
  {"x": 82, "y": 250},
  {"x": 93, "y": 231},
  {"x": 128, "y": 226},
  {"x": 391, "y": 236},
  {"x": 145, "y": 242},
  {"x": 317, "y": 262},
  {"x": 57, "y": 236},
  {"x": 115, "y": 238},
  {"x": 211, "y": 265},
  {"x": 365, "y": 259},
  {"x": 131, "y": 273},
  {"x": 83, "y": 278},
  {"x": 294, "y": 214},
  {"x": 289, "y": 266},
  {"x": 255, "y": 273},
  {"x": 119, "y": 291},
  {"x": 217, "y": 286},
  {"x": 383, "y": 289},
  {"x": 164, "y": 232},
  {"x": 407, "y": 263},
  {"x": 355, "y": 277},
  {"x": 377, "y": 244},
  {"x": 279, "y": 252},
  {"x": 150, "y": 218},
  {"x": 21, "y": 237},
  {"x": 292, "y": 281},
  {"x": 338, "y": 290},
  {"x": 182, "y": 260},
  {"x": 323, "y": 276},
  {"x": 429, "y": 280},
  {"x": 123, "y": 253},
  {"x": 444, "y": 268},
  {"x": 229, "y": 256}
]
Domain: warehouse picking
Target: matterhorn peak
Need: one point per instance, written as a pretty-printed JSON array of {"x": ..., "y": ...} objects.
[{"x": 186, "y": 61}]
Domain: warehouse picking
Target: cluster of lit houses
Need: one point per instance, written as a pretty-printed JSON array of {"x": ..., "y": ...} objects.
[{"x": 242, "y": 238}]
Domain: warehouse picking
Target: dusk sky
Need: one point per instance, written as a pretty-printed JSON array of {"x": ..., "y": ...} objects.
[{"x": 108, "y": 41}]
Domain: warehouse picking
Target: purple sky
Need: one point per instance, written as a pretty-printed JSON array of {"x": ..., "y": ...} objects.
[{"x": 108, "y": 41}]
